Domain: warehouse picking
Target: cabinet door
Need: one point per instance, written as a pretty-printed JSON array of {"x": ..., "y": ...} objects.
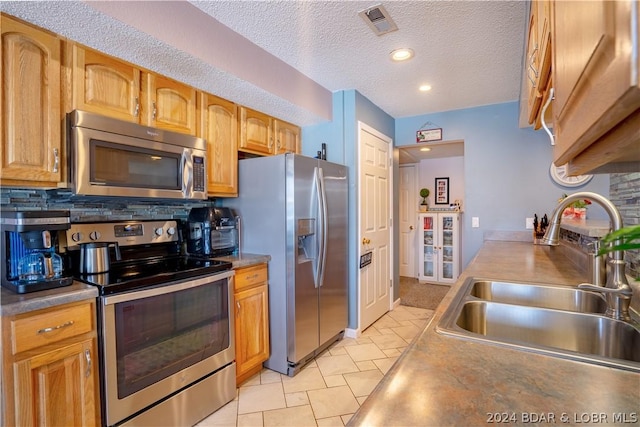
[
  {"x": 31, "y": 119},
  {"x": 252, "y": 329},
  {"x": 429, "y": 247},
  {"x": 531, "y": 67},
  {"x": 58, "y": 387},
  {"x": 219, "y": 126},
  {"x": 595, "y": 72},
  {"x": 169, "y": 104},
  {"x": 105, "y": 85},
  {"x": 256, "y": 132},
  {"x": 448, "y": 247},
  {"x": 287, "y": 137}
]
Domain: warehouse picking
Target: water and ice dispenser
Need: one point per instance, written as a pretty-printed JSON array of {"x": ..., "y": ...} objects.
[{"x": 307, "y": 246}]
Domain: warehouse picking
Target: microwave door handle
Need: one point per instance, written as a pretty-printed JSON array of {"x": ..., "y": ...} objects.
[{"x": 187, "y": 173}]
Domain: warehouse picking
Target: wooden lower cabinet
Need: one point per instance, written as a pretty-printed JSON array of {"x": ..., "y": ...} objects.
[
  {"x": 50, "y": 367},
  {"x": 251, "y": 305}
]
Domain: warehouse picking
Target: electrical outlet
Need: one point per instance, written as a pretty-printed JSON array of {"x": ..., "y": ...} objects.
[
  {"x": 528, "y": 223},
  {"x": 475, "y": 222}
]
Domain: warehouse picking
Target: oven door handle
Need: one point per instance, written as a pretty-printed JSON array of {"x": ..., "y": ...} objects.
[{"x": 167, "y": 289}]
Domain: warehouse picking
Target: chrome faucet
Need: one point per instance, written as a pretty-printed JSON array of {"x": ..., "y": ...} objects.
[{"x": 617, "y": 291}]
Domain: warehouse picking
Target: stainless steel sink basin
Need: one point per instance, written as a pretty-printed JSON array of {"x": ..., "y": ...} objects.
[
  {"x": 559, "y": 297},
  {"x": 561, "y": 322}
]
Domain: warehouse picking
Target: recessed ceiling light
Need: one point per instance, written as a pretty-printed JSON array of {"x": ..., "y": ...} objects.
[
  {"x": 425, "y": 88},
  {"x": 425, "y": 149},
  {"x": 402, "y": 54}
]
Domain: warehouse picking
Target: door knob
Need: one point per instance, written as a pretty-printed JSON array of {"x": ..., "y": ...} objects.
[
  {"x": 365, "y": 241},
  {"x": 411, "y": 227}
]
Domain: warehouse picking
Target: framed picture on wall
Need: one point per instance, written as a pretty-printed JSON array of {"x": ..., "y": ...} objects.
[{"x": 442, "y": 191}]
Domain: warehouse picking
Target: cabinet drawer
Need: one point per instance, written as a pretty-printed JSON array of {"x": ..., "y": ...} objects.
[
  {"x": 248, "y": 277},
  {"x": 49, "y": 326}
]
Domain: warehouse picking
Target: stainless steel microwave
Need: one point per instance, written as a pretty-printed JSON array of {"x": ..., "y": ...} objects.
[{"x": 110, "y": 157}]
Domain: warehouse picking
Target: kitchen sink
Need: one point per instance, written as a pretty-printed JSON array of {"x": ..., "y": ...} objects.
[
  {"x": 557, "y": 321},
  {"x": 546, "y": 296}
]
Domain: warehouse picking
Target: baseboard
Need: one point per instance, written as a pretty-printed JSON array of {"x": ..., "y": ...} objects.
[{"x": 396, "y": 303}]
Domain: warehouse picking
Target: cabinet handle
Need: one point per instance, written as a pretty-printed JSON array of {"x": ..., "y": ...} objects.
[
  {"x": 251, "y": 277},
  {"x": 154, "y": 110},
  {"x": 544, "y": 111},
  {"x": 56, "y": 160},
  {"x": 278, "y": 145},
  {"x": 238, "y": 306},
  {"x": 87, "y": 355},
  {"x": 55, "y": 328},
  {"x": 136, "y": 110}
]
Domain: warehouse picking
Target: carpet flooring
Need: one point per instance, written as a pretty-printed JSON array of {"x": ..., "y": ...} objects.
[{"x": 422, "y": 295}]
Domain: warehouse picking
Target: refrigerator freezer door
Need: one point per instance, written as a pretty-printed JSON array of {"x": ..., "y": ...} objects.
[
  {"x": 333, "y": 303},
  {"x": 302, "y": 293}
]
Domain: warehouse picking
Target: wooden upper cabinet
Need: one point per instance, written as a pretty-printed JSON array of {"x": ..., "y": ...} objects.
[
  {"x": 105, "y": 85},
  {"x": 256, "y": 132},
  {"x": 30, "y": 151},
  {"x": 538, "y": 60},
  {"x": 112, "y": 87},
  {"x": 595, "y": 77},
  {"x": 287, "y": 137},
  {"x": 168, "y": 104},
  {"x": 219, "y": 126}
]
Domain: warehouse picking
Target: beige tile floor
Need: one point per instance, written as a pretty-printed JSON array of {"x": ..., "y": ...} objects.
[{"x": 329, "y": 389}]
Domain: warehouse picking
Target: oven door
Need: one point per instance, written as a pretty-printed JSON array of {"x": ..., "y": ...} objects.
[
  {"x": 158, "y": 341},
  {"x": 110, "y": 164}
]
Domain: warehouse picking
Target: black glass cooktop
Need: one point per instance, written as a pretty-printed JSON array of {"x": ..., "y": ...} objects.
[{"x": 128, "y": 276}]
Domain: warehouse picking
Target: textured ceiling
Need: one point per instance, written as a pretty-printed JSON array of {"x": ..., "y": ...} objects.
[{"x": 470, "y": 52}]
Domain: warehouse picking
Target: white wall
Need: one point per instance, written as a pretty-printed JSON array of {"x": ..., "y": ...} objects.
[{"x": 451, "y": 167}]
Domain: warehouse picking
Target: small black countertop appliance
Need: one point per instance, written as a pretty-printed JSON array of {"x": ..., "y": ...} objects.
[
  {"x": 211, "y": 231},
  {"x": 29, "y": 245}
]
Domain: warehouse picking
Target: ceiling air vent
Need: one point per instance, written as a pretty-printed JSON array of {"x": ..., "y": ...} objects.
[{"x": 378, "y": 19}]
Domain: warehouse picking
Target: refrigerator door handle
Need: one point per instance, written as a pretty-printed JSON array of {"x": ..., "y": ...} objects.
[
  {"x": 323, "y": 226},
  {"x": 318, "y": 239}
]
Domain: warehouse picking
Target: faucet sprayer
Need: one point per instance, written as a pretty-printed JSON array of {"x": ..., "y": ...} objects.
[{"x": 617, "y": 291}]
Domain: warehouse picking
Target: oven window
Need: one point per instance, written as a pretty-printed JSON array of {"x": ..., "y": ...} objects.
[
  {"x": 161, "y": 335},
  {"x": 125, "y": 166}
]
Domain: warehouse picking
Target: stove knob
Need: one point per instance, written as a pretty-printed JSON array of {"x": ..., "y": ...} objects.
[
  {"x": 76, "y": 237},
  {"x": 171, "y": 231},
  {"x": 159, "y": 231},
  {"x": 94, "y": 235}
]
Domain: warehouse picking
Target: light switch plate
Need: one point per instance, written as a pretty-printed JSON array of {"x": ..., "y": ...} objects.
[
  {"x": 475, "y": 222},
  {"x": 528, "y": 224}
]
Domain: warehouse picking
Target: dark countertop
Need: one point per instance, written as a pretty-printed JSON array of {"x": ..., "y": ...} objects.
[
  {"x": 12, "y": 303},
  {"x": 442, "y": 380},
  {"x": 245, "y": 259}
]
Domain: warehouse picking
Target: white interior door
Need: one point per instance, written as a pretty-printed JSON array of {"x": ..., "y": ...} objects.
[
  {"x": 407, "y": 222},
  {"x": 375, "y": 223}
]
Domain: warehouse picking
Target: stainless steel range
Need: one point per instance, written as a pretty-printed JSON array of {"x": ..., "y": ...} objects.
[{"x": 165, "y": 326}]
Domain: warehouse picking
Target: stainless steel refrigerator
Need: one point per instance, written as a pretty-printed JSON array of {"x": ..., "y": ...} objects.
[{"x": 294, "y": 208}]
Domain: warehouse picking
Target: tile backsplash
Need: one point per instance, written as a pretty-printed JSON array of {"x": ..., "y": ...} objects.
[
  {"x": 624, "y": 192},
  {"x": 85, "y": 209}
]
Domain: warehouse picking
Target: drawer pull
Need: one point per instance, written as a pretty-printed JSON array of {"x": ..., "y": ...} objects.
[
  {"x": 55, "y": 328},
  {"x": 251, "y": 277}
]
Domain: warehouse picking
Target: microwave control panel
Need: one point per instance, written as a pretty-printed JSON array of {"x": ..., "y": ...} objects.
[{"x": 198, "y": 174}]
